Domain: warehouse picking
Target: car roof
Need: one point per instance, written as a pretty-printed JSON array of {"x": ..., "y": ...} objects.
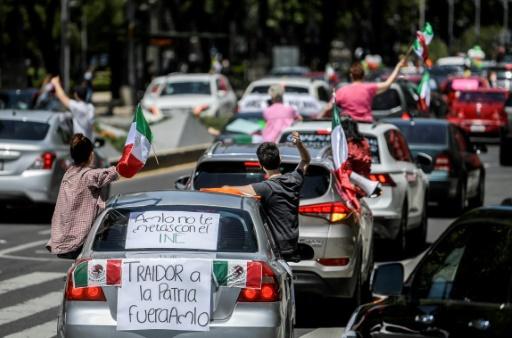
[
  {"x": 186, "y": 77},
  {"x": 365, "y": 128},
  {"x": 28, "y": 115},
  {"x": 295, "y": 80},
  {"x": 419, "y": 120},
  {"x": 500, "y": 213},
  {"x": 248, "y": 151},
  {"x": 175, "y": 197},
  {"x": 484, "y": 90}
]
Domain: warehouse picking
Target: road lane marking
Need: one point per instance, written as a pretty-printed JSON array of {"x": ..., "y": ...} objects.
[
  {"x": 30, "y": 307},
  {"x": 45, "y": 330},
  {"x": 45, "y": 232},
  {"x": 22, "y": 247},
  {"x": 35, "y": 259},
  {"x": 30, "y": 279},
  {"x": 329, "y": 332}
]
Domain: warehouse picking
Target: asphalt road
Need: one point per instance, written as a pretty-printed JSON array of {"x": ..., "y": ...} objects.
[{"x": 31, "y": 280}]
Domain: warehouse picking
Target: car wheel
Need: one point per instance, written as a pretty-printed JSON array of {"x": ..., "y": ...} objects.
[
  {"x": 459, "y": 202},
  {"x": 506, "y": 151},
  {"x": 478, "y": 200},
  {"x": 401, "y": 238}
]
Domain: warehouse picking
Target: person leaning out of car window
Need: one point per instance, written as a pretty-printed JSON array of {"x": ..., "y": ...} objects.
[{"x": 79, "y": 200}]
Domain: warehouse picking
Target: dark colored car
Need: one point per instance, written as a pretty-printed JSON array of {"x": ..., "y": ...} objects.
[
  {"x": 461, "y": 287},
  {"x": 480, "y": 112},
  {"x": 243, "y": 128},
  {"x": 458, "y": 176},
  {"x": 18, "y": 99}
]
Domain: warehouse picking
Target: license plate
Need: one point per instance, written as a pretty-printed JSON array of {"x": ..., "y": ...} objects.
[{"x": 477, "y": 128}]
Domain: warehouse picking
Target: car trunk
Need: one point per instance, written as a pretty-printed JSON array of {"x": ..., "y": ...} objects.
[{"x": 479, "y": 111}]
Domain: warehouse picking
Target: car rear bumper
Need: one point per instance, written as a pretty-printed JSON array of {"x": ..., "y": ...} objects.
[
  {"x": 481, "y": 128},
  {"x": 248, "y": 320},
  {"x": 31, "y": 186},
  {"x": 441, "y": 187},
  {"x": 310, "y": 282}
]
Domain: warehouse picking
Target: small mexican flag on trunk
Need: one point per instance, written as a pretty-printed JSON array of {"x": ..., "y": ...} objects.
[
  {"x": 137, "y": 146},
  {"x": 423, "y": 39},
  {"x": 424, "y": 91},
  {"x": 238, "y": 274},
  {"x": 97, "y": 272}
]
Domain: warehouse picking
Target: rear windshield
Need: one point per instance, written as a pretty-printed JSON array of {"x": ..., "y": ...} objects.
[
  {"x": 163, "y": 230},
  {"x": 287, "y": 89},
  {"x": 187, "y": 88},
  {"x": 424, "y": 134},
  {"x": 386, "y": 101},
  {"x": 481, "y": 97},
  {"x": 314, "y": 139},
  {"x": 23, "y": 130},
  {"x": 217, "y": 174}
]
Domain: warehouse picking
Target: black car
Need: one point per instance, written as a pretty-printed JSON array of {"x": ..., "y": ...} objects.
[
  {"x": 18, "y": 99},
  {"x": 462, "y": 286},
  {"x": 457, "y": 179}
]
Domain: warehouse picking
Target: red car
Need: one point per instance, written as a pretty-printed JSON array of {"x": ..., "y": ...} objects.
[
  {"x": 457, "y": 83},
  {"x": 480, "y": 112}
]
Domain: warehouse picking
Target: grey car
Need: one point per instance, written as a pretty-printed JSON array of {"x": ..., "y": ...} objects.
[
  {"x": 34, "y": 155},
  {"x": 341, "y": 239},
  {"x": 235, "y": 311}
]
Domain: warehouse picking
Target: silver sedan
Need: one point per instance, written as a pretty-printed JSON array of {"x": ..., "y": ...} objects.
[{"x": 236, "y": 310}]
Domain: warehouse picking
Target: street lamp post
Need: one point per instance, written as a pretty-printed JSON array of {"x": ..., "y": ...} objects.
[
  {"x": 505, "y": 20},
  {"x": 422, "y": 13},
  {"x": 64, "y": 43},
  {"x": 477, "y": 20},
  {"x": 450, "y": 22}
]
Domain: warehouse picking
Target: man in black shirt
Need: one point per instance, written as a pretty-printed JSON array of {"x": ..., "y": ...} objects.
[{"x": 280, "y": 194}]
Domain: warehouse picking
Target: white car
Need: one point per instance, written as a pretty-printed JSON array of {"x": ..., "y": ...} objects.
[
  {"x": 401, "y": 209},
  {"x": 307, "y": 96},
  {"x": 205, "y": 94}
]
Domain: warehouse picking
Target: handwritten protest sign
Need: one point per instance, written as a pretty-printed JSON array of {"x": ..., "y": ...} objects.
[
  {"x": 168, "y": 294},
  {"x": 172, "y": 229}
]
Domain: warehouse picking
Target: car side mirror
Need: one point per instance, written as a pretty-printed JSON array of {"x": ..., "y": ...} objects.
[
  {"x": 182, "y": 182},
  {"x": 99, "y": 142},
  {"x": 424, "y": 161},
  {"x": 388, "y": 279},
  {"x": 480, "y": 148}
]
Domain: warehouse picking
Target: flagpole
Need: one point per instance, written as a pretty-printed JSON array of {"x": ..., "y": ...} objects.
[{"x": 154, "y": 153}]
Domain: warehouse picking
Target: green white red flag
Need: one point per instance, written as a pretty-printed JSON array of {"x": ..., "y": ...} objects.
[
  {"x": 238, "y": 273},
  {"x": 424, "y": 91},
  {"x": 97, "y": 272},
  {"x": 137, "y": 146},
  {"x": 423, "y": 39}
]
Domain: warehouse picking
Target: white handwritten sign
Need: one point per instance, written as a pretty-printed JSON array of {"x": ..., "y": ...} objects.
[
  {"x": 172, "y": 229},
  {"x": 165, "y": 294}
]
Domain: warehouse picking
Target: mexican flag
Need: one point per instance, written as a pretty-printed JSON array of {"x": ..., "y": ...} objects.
[
  {"x": 137, "y": 146},
  {"x": 423, "y": 39},
  {"x": 237, "y": 273},
  {"x": 424, "y": 91},
  {"x": 339, "y": 155},
  {"x": 97, "y": 272}
]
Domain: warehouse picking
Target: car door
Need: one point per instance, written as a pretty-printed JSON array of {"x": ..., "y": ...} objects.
[
  {"x": 462, "y": 288},
  {"x": 399, "y": 150},
  {"x": 471, "y": 163}
]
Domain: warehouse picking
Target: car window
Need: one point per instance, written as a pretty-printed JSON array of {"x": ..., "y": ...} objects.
[
  {"x": 22, "y": 100},
  {"x": 235, "y": 234},
  {"x": 472, "y": 263},
  {"x": 23, "y": 130},
  {"x": 397, "y": 146},
  {"x": 323, "y": 94},
  {"x": 65, "y": 132},
  {"x": 287, "y": 89},
  {"x": 423, "y": 134},
  {"x": 216, "y": 174},
  {"x": 387, "y": 100},
  {"x": 482, "y": 97},
  {"x": 187, "y": 88}
]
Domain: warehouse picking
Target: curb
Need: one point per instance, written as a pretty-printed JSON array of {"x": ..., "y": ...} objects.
[{"x": 168, "y": 158}]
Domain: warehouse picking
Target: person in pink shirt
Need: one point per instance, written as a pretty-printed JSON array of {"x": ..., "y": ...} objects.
[
  {"x": 355, "y": 99},
  {"x": 278, "y": 116}
]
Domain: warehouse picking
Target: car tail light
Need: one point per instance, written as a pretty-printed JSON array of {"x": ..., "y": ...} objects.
[
  {"x": 406, "y": 116},
  {"x": 442, "y": 162},
  {"x": 323, "y": 132},
  {"x": 91, "y": 293},
  {"x": 342, "y": 261},
  {"x": 384, "y": 179},
  {"x": 333, "y": 211},
  {"x": 45, "y": 161},
  {"x": 269, "y": 291},
  {"x": 251, "y": 164}
]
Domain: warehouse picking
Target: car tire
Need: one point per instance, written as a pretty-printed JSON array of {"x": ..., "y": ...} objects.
[
  {"x": 401, "y": 237},
  {"x": 506, "y": 151},
  {"x": 478, "y": 200}
]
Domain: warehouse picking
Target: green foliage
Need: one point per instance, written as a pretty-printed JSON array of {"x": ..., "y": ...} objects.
[
  {"x": 489, "y": 39},
  {"x": 438, "y": 49}
]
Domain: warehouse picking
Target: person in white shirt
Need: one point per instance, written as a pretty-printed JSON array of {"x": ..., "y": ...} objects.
[{"x": 82, "y": 112}]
